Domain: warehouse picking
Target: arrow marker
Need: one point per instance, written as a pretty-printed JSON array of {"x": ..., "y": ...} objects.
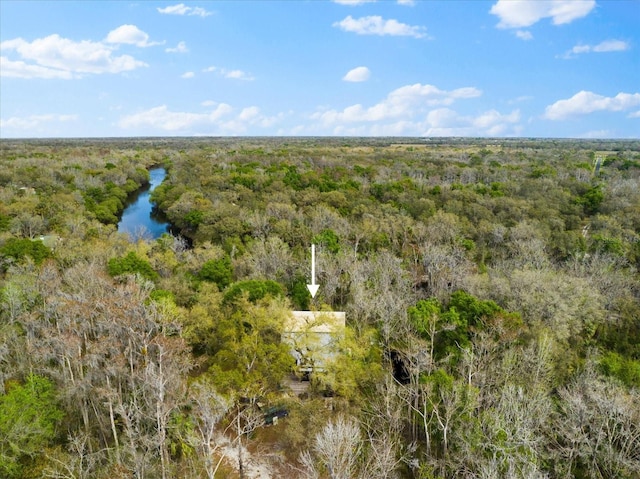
[{"x": 313, "y": 287}]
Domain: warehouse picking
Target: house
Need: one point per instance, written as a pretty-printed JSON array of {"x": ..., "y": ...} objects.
[{"x": 311, "y": 336}]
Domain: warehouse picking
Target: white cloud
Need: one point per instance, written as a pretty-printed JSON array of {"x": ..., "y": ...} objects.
[
  {"x": 602, "y": 47},
  {"x": 404, "y": 102},
  {"x": 520, "y": 99},
  {"x": 611, "y": 46},
  {"x": 580, "y": 49},
  {"x": 19, "y": 69},
  {"x": 180, "y": 48},
  {"x": 524, "y": 35},
  {"x": 415, "y": 110},
  {"x": 162, "y": 118},
  {"x": 188, "y": 75},
  {"x": 182, "y": 9},
  {"x": 131, "y": 35},
  {"x": 585, "y": 102},
  {"x": 249, "y": 113},
  {"x": 358, "y": 74},
  {"x": 34, "y": 121},
  {"x": 57, "y": 57},
  {"x": 447, "y": 122},
  {"x": 232, "y": 74},
  {"x": 376, "y": 25},
  {"x": 237, "y": 75},
  {"x": 220, "y": 120},
  {"x": 524, "y": 13},
  {"x": 408, "y": 3},
  {"x": 635, "y": 114}
]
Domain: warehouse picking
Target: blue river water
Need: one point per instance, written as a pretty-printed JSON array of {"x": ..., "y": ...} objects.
[{"x": 140, "y": 219}]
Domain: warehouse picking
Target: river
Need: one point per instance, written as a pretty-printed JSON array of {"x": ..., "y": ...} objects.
[{"x": 140, "y": 219}]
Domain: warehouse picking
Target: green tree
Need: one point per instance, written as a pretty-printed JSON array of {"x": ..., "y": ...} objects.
[
  {"x": 17, "y": 249},
  {"x": 471, "y": 309},
  {"x": 249, "y": 358},
  {"x": 28, "y": 419},
  {"x": 329, "y": 240},
  {"x": 625, "y": 369},
  {"x": 591, "y": 199},
  {"x": 255, "y": 290},
  {"x": 219, "y": 271},
  {"x": 131, "y": 264}
]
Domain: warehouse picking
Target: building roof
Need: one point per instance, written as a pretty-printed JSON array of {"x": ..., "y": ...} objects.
[{"x": 315, "y": 321}]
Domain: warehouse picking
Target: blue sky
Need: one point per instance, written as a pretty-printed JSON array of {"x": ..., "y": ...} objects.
[{"x": 539, "y": 68}]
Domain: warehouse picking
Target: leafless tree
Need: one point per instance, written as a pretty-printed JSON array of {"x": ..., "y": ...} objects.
[
  {"x": 336, "y": 449},
  {"x": 599, "y": 427},
  {"x": 209, "y": 408},
  {"x": 246, "y": 419}
]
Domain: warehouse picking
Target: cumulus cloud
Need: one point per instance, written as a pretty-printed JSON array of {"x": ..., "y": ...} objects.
[
  {"x": 180, "y": 48},
  {"x": 182, "y": 9},
  {"x": 249, "y": 113},
  {"x": 188, "y": 75},
  {"x": 447, "y": 122},
  {"x": 358, "y": 74},
  {"x": 524, "y": 35},
  {"x": 237, "y": 75},
  {"x": 162, "y": 118},
  {"x": 586, "y": 102},
  {"x": 57, "y": 57},
  {"x": 406, "y": 101},
  {"x": 34, "y": 121},
  {"x": 131, "y": 35},
  {"x": 376, "y": 25},
  {"x": 232, "y": 74},
  {"x": 20, "y": 69},
  {"x": 415, "y": 110},
  {"x": 611, "y": 46},
  {"x": 524, "y": 13},
  {"x": 602, "y": 47},
  {"x": 220, "y": 120}
]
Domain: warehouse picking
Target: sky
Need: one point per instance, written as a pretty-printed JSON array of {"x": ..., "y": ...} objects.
[{"x": 431, "y": 68}]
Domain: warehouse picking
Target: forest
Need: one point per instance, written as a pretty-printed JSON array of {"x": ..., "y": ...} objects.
[{"x": 491, "y": 289}]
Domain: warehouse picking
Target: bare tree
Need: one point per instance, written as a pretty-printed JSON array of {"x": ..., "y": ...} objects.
[
  {"x": 209, "y": 407},
  {"x": 384, "y": 425},
  {"x": 381, "y": 292},
  {"x": 247, "y": 418},
  {"x": 164, "y": 376},
  {"x": 599, "y": 427},
  {"x": 336, "y": 450}
]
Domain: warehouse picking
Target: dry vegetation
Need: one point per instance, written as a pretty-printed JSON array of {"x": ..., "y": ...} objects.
[{"x": 491, "y": 290}]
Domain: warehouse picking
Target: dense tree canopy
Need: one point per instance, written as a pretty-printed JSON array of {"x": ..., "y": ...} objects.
[{"x": 491, "y": 291}]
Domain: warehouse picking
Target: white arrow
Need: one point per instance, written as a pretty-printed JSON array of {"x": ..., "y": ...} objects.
[{"x": 313, "y": 287}]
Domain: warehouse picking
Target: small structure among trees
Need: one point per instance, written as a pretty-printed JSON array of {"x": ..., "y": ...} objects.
[{"x": 312, "y": 336}]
